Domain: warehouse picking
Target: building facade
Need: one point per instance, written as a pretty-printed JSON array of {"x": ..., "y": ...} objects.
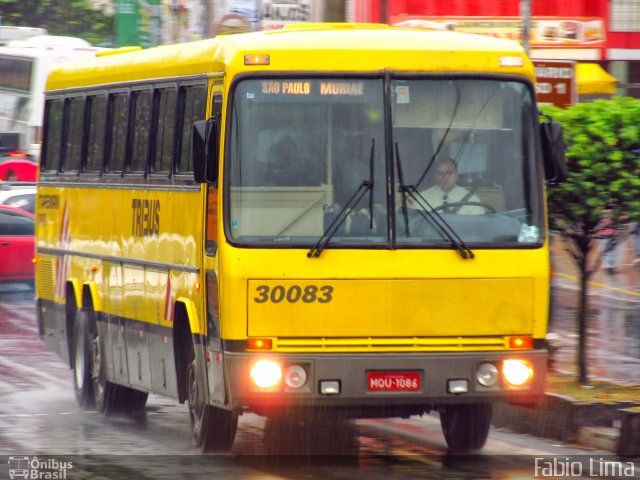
[{"x": 606, "y": 32}]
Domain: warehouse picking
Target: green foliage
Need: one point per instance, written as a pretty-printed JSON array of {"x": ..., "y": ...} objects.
[
  {"x": 603, "y": 160},
  {"x": 74, "y": 18},
  {"x": 603, "y": 163}
]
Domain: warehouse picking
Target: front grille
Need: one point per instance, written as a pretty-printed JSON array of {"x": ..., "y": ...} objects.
[{"x": 405, "y": 344}]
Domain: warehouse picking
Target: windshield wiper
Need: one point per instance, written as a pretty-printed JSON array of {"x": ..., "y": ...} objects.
[
  {"x": 428, "y": 213},
  {"x": 333, "y": 227}
]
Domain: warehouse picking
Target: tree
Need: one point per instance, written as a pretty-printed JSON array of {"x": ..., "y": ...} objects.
[
  {"x": 603, "y": 160},
  {"x": 75, "y": 18}
]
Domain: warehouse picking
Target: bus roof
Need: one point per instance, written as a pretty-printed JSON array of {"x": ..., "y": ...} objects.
[
  {"x": 309, "y": 47},
  {"x": 10, "y": 33},
  {"x": 53, "y": 48},
  {"x": 50, "y": 41}
]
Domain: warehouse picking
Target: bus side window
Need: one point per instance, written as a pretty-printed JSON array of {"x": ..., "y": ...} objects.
[
  {"x": 74, "y": 127},
  {"x": 51, "y": 143},
  {"x": 117, "y": 130},
  {"x": 162, "y": 153},
  {"x": 194, "y": 103},
  {"x": 95, "y": 142},
  {"x": 140, "y": 131}
]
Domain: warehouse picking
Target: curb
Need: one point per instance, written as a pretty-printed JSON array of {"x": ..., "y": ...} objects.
[{"x": 614, "y": 427}]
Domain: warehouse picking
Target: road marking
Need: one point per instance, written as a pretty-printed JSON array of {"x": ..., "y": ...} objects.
[
  {"x": 32, "y": 373},
  {"x": 599, "y": 284}
]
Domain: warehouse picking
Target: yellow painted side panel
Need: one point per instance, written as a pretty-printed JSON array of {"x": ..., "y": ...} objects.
[
  {"x": 383, "y": 293},
  {"x": 386, "y": 308},
  {"x": 133, "y": 244}
]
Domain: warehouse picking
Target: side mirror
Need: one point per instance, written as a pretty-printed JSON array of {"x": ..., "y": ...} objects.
[
  {"x": 553, "y": 149},
  {"x": 204, "y": 149}
]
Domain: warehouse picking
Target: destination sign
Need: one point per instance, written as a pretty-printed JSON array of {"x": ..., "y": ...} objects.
[{"x": 306, "y": 87}]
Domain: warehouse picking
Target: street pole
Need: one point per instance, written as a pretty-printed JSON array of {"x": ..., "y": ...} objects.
[
  {"x": 384, "y": 17},
  {"x": 525, "y": 14},
  {"x": 206, "y": 26}
]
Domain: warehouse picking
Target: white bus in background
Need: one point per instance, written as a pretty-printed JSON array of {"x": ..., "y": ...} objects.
[
  {"x": 24, "y": 67},
  {"x": 8, "y": 34}
]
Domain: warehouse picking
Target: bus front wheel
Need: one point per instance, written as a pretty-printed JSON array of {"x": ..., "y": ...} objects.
[
  {"x": 213, "y": 429},
  {"x": 466, "y": 427}
]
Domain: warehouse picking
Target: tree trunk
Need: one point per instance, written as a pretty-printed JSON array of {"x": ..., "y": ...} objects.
[{"x": 582, "y": 315}]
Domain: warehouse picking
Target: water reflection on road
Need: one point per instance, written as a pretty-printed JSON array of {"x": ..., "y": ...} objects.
[
  {"x": 613, "y": 331},
  {"x": 39, "y": 416}
]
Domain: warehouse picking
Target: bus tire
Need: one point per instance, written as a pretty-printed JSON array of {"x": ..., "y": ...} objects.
[
  {"x": 106, "y": 394},
  {"x": 111, "y": 398},
  {"x": 212, "y": 428},
  {"x": 81, "y": 362},
  {"x": 466, "y": 427}
]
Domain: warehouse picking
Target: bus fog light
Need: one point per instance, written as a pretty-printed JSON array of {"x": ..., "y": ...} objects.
[
  {"x": 266, "y": 374},
  {"x": 330, "y": 387},
  {"x": 516, "y": 372},
  {"x": 295, "y": 376},
  {"x": 458, "y": 386},
  {"x": 487, "y": 375}
]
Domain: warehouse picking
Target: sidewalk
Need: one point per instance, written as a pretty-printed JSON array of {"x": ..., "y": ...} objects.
[
  {"x": 612, "y": 350},
  {"x": 613, "y": 318}
]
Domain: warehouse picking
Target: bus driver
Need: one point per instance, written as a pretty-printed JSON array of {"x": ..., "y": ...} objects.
[{"x": 446, "y": 190}]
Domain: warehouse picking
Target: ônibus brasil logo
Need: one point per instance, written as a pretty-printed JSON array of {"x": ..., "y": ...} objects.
[{"x": 37, "y": 469}]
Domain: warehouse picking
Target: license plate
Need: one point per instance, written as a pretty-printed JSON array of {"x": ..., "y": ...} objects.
[{"x": 393, "y": 381}]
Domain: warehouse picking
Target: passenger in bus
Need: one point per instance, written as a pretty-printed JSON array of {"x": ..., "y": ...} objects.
[{"x": 446, "y": 191}]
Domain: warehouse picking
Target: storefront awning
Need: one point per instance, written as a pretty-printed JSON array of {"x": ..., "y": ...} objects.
[{"x": 592, "y": 79}]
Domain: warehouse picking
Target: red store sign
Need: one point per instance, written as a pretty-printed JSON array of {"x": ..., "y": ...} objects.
[{"x": 556, "y": 82}]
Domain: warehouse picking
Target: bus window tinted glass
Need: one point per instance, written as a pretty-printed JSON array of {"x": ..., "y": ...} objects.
[
  {"x": 140, "y": 131},
  {"x": 75, "y": 126},
  {"x": 95, "y": 144},
  {"x": 15, "y": 73},
  {"x": 118, "y": 130},
  {"x": 165, "y": 130},
  {"x": 195, "y": 104},
  {"x": 51, "y": 158}
]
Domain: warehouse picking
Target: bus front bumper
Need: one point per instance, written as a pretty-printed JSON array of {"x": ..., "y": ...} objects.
[{"x": 396, "y": 384}]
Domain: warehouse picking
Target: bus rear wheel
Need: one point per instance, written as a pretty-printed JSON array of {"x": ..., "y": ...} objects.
[
  {"x": 466, "y": 427},
  {"x": 82, "y": 382},
  {"x": 109, "y": 397},
  {"x": 104, "y": 391},
  {"x": 213, "y": 429}
]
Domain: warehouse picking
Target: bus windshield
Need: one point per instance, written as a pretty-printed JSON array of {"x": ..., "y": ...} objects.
[{"x": 460, "y": 163}]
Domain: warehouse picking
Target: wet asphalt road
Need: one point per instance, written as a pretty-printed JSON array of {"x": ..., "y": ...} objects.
[{"x": 39, "y": 417}]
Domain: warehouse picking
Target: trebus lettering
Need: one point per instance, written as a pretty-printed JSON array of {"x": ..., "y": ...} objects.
[{"x": 146, "y": 217}]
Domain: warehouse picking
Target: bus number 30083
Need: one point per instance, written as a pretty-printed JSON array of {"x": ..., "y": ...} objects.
[{"x": 293, "y": 294}]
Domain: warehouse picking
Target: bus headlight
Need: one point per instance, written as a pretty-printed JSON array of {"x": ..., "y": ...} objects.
[
  {"x": 266, "y": 374},
  {"x": 516, "y": 372},
  {"x": 487, "y": 375},
  {"x": 295, "y": 376}
]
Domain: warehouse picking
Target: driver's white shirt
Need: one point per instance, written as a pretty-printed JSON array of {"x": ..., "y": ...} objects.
[{"x": 435, "y": 196}]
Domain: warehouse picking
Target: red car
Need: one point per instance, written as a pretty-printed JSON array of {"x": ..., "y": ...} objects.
[
  {"x": 17, "y": 245},
  {"x": 18, "y": 170}
]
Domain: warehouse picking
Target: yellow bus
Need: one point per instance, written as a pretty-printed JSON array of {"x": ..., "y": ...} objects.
[{"x": 247, "y": 224}]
